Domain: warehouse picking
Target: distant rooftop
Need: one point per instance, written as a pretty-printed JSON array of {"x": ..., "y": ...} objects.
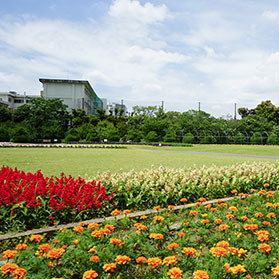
[{"x": 62, "y": 80}]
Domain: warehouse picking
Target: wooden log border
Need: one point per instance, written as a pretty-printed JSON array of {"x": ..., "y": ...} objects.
[{"x": 118, "y": 217}]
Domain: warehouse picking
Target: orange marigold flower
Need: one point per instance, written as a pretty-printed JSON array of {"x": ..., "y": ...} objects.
[
  {"x": 204, "y": 215},
  {"x": 213, "y": 209},
  {"x": 93, "y": 226},
  {"x": 22, "y": 246},
  {"x": 154, "y": 262},
  {"x": 92, "y": 250},
  {"x": 241, "y": 252},
  {"x": 253, "y": 190},
  {"x": 264, "y": 248},
  {"x": 115, "y": 212},
  {"x": 36, "y": 237},
  {"x": 223, "y": 244},
  {"x": 236, "y": 269},
  {"x": 271, "y": 214},
  {"x": 109, "y": 227},
  {"x": 156, "y": 236},
  {"x": 141, "y": 259},
  {"x": 233, "y": 208},
  {"x": 183, "y": 200},
  {"x": 143, "y": 217},
  {"x": 275, "y": 270},
  {"x": 109, "y": 267},
  {"x": 218, "y": 221},
  {"x": 266, "y": 223},
  {"x": 266, "y": 185},
  {"x": 90, "y": 274},
  {"x": 218, "y": 251},
  {"x": 94, "y": 259},
  {"x": 157, "y": 207},
  {"x": 44, "y": 247},
  {"x": 189, "y": 251},
  {"x": 170, "y": 260},
  {"x": 200, "y": 274},
  {"x": 126, "y": 211},
  {"x": 158, "y": 218},
  {"x": 115, "y": 241},
  {"x": 262, "y": 235},
  {"x": 198, "y": 203},
  {"x": 222, "y": 205},
  {"x": 140, "y": 226},
  {"x": 186, "y": 224},
  {"x": 173, "y": 246},
  {"x": 205, "y": 221},
  {"x": 238, "y": 234},
  {"x": 50, "y": 264},
  {"x": 9, "y": 254},
  {"x": 234, "y": 191},
  {"x": 78, "y": 229},
  {"x": 175, "y": 273},
  {"x": 193, "y": 212},
  {"x": 55, "y": 253},
  {"x": 122, "y": 259},
  {"x": 76, "y": 242},
  {"x": 230, "y": 216},
  {"x": 250, "y": 227},
  {"x": 223, "y": 227},
  {"x": 18, "y": 273},
  {"x": 8, "y": 268},
  {"x": 202, "y": 199},
  {"x": 171, "y": 207},
  {"x": 269, "y": 204},
  {"x": 227, "y": 267},
  {"x": 181, "y": 234},
  {"x": 244, "y": 218},
  {"x": 207, "y": 205},
  {"x": 233, "y": 250},
  {"x": 258, "y": 214}
]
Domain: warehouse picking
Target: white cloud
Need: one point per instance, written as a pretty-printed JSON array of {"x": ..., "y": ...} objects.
[
  {"x": 271, "y": 15},
  {"x": 128, "y": 11}
]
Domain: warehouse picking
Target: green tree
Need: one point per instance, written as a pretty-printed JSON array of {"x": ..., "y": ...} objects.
[
  {"x": 188, "y": 138},
  {"x": 268, "y": 111},
  {"x": 5, "y": 115},
  {"x": 152, "y": 137}
]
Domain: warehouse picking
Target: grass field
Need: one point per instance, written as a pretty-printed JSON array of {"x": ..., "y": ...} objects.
[{"x": 90, "y": 161}]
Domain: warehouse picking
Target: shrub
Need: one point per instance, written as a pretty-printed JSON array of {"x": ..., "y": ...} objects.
[
  {"x": 169, "y": 137},
  {"x": 72, "y": 135},
  {"x": 20, "y": 134},
  {"x": 256, "y": 138},
  {"x": 208, "y": 139},
  {"x": 240, "y": 138},
  {"x": 273, "y": 139},
  {"x": 188, "y": 138},
  {"x": 134, "y": 136},
  {"x": 92, "y": 136},
  {"x": 4, "y": 134},
  {"x": 152, "y": 137}
]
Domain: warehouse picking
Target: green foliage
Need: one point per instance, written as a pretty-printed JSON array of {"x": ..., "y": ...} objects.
[
  {"x": 152, "y": 137},
  {"x": 169, "y": 137},
  {"x": 5, "y": 115},
  {"x": 207, "y": 139},
  {"x": 256, "y": 138},
  {"x": 4, "y": 134},
  {"x": 134, "y": 136},
  {"x": 72, "y": 135},
  {"x": 188, "y": 138},
  {"x": 21, "y": 134},
  {"x": 240, "y": 138},
  {"x": 92, "y": 136},
  {"x": 273, "y": 139}
]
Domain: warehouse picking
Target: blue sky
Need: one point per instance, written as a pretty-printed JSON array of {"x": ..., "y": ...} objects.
[{"x": 216, "y": 52}]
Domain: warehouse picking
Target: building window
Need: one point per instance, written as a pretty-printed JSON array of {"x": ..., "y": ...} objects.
[
  {"x": 10, "y": 100},
  {"x": 28, "y": 101},
  {"x": 19, "y": 101}
]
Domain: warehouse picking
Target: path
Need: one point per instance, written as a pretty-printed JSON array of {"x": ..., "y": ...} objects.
[{"x": 216, "y": 153}]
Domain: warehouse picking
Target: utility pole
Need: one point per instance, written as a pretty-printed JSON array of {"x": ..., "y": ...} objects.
[
  {"x": 199, "y": 106},
  {"x": 162, "y": 105},
  {"x": 234, "y": 111}
]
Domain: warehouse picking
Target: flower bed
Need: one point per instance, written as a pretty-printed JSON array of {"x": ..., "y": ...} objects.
[
  {"x": 32, "y": 145},
  {"x": 237, "y": 239},
  {"x": 145, "y": 188},
  {"x": 31, "y": 200}
]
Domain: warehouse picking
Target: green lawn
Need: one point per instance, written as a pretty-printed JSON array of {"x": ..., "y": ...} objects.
[{"x": 89, "y": 161}]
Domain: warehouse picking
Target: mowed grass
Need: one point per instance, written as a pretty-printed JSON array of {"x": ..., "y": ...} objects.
[{"x": 88, "y": 162}]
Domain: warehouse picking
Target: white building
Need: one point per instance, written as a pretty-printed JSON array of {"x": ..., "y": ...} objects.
[
  {"x": 76, "y": 94},
  {"x": 13, "y": 100},
  {"x": 110, "y": 109}
]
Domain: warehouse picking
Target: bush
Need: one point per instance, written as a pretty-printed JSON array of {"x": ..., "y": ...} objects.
[
  {"x": 72, "y": 135},
  {"x": 208, "y": 139},
  {"x": 256, "y": 138},
  {"x": 134, "y": 136},
  {"x": 188, "y": 138},
  {"x": 4, "y": 134},
  {"x": 92, "y": 136},
  {"x": 169, "y": 137},
  {"x": 273, "y": 139},
  {"x": 240, "y": 138},
  {"x": 21, "y": 134},
  {"x": 152, "y": 137}
]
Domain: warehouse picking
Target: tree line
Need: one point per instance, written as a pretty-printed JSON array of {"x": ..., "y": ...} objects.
[{"x": 49, "y": 119}]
